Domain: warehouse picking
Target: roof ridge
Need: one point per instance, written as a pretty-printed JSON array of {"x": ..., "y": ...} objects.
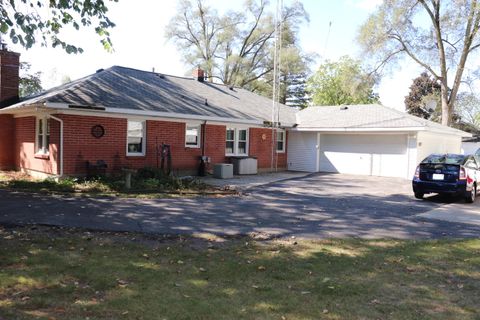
[{"x": 175, "y": 76}]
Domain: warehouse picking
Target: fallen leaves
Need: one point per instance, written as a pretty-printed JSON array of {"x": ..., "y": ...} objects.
[{"x": 122, "y": 283}]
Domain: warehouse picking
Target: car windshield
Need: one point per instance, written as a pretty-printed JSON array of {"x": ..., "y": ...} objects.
[{"x": 445, "y": 158}]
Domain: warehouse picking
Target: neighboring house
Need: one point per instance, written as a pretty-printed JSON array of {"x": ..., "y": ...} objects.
[
  {"x": 470, "y": 145},
  {"x": 366, "y": 139},
  {"x": 122, "y": 116}
]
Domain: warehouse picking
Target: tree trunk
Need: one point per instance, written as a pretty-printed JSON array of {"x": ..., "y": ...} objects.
[{"x": 446, "y": 107}]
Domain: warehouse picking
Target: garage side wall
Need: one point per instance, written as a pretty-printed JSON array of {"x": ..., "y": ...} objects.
[
  {"x": 303, "y": 151},
  {"x": 430, "y": 142},
  {"x": 470, "y": 147}
]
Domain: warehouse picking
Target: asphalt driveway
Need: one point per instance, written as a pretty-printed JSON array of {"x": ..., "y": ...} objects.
[{"x": 315, "y": 206}]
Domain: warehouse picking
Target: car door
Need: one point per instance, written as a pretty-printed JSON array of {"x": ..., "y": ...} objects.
[{"x": 471, "y": 165}]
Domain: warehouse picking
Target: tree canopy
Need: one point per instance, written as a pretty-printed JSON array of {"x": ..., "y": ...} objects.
[
  {"x": 342, "y": 82},
  {"x": 437, "y": 35},
  {"x": 423, "y": 100},
  {"x": 30, "y": 83},
  {"x": 236, "y": 48},
  {"x": 29, "y": 22},
  {"x": 468, "y": 105}
]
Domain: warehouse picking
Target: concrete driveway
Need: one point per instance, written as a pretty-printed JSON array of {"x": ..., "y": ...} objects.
[{"x": 315, "y": 206}]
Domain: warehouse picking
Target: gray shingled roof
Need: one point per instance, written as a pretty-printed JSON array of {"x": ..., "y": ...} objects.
[
  {"x": 136, "y": 90},
  {"x": 126, "y": 88},
  {"x": 364, "y": 116}
]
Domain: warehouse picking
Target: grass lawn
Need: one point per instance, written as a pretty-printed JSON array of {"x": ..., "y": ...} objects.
[{"x": 52, "y": 273}]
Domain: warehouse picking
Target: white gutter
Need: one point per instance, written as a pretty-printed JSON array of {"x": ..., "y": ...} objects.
[
  {"x": 376, "y": 129},
  {"x": 61, "y": 143}
]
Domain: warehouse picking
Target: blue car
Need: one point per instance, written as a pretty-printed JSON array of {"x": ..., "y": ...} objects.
[{"x": 453, "y": 174}]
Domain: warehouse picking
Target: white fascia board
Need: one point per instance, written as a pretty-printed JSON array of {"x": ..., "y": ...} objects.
[
  {"x": 460, "y": 133},
  {"x": 120, "y": 112},
  {"x": 404, "y": 129},
  {"x": 20, "y": 109}
]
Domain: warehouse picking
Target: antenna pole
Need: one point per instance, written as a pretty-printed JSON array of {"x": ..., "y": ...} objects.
[{"x": 276, "y": 81}]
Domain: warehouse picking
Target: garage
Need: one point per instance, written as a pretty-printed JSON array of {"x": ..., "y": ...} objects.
[
  {"x": 378, "y": 155},
  {"x": 366, "y": 140}
]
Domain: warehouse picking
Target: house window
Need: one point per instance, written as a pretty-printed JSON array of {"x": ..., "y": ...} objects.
[
  {"x": 136, "y": 138},
  {"x": 236, "y": 142},
  {"x": 42, "y": 136},
  {"x": 192, "y": 136},
  {"x": 242, "y": 141},
  {"x": 280, "y": 141},
  {"x": 230, "y": 144}
]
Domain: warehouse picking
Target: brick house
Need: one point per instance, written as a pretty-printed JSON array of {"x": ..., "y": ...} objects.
[{"x": 122, "y": 116}]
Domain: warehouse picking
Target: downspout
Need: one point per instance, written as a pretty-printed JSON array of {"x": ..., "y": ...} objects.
[
  {"x": 61, "y": 143},
  {"x": 204, "y": 131}
]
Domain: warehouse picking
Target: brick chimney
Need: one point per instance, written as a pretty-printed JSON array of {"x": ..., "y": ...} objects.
[
  {"x": 9, "y": 76},
  {"x": 199, "y": 74}
]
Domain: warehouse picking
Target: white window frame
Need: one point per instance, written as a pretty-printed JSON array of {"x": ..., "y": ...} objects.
[
  {"x": 144, "y": 141},
  {"x": 199, "y": 135},
  {"x": 45, "y": 133},
  {"x": 236, "y": 141},
  {"x": 284, "y": 135}
]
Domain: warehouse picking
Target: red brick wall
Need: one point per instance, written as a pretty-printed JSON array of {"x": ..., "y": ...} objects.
[
  {"x": 80, "y": 146},
  {"x": 7, "y": 131},
  {"x": 262, "y": 149},
  {"x": 215, "y": 143},
  {"x": 24, "y": 148},
  {"x": 9, "y": 78}
]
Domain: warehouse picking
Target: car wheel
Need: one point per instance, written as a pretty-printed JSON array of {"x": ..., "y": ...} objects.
[
  {"x": 470, "y": 198},
  {"x": 419, "y": 195}
]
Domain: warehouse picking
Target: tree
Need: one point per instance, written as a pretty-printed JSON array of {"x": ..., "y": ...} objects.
[
  {"x": 342, "y": 82},
  {"x": 237, "y": 48},
  {"x": 423, "y": 99},
  {"x": 30, "y": 83},
  {"x": 437, "y": 35},
  {"x": 297, "y": 94},
  {"x": 468, "y": 105},
  {"x": 28, "y": 21}
]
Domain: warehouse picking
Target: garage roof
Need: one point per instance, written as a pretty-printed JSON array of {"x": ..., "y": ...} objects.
[{"x": 366, "y": 117}]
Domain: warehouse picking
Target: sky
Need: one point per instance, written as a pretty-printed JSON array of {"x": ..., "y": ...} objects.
[{"x": 139, "y": 42}]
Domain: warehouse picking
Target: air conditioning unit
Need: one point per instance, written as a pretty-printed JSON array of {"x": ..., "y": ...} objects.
[
  {"x": 245, "y": 166},
  {"x": 223, "y": 171}
]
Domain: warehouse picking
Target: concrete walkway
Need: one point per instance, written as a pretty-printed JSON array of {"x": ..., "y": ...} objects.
[
  {"x": 455, "y": 212},
  {"x": 245, "y": 182}
]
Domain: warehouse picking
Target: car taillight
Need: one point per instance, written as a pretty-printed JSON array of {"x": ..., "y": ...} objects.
[
  {"x": 417, "y": 172},
  {"x": 462, "y": 175}
]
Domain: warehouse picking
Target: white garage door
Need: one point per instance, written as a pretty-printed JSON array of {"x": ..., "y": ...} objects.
[
  {"x": 365, "y": 154},
  {"x": 302, "y": 151}
]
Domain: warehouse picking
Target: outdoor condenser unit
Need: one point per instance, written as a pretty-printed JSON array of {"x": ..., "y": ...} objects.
[
  {"x": 223, "y": 171},
  {"x": 245, "y": 166}
]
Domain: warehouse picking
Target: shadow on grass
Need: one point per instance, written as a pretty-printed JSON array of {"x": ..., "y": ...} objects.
[{"x": 58, "y": 274}]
